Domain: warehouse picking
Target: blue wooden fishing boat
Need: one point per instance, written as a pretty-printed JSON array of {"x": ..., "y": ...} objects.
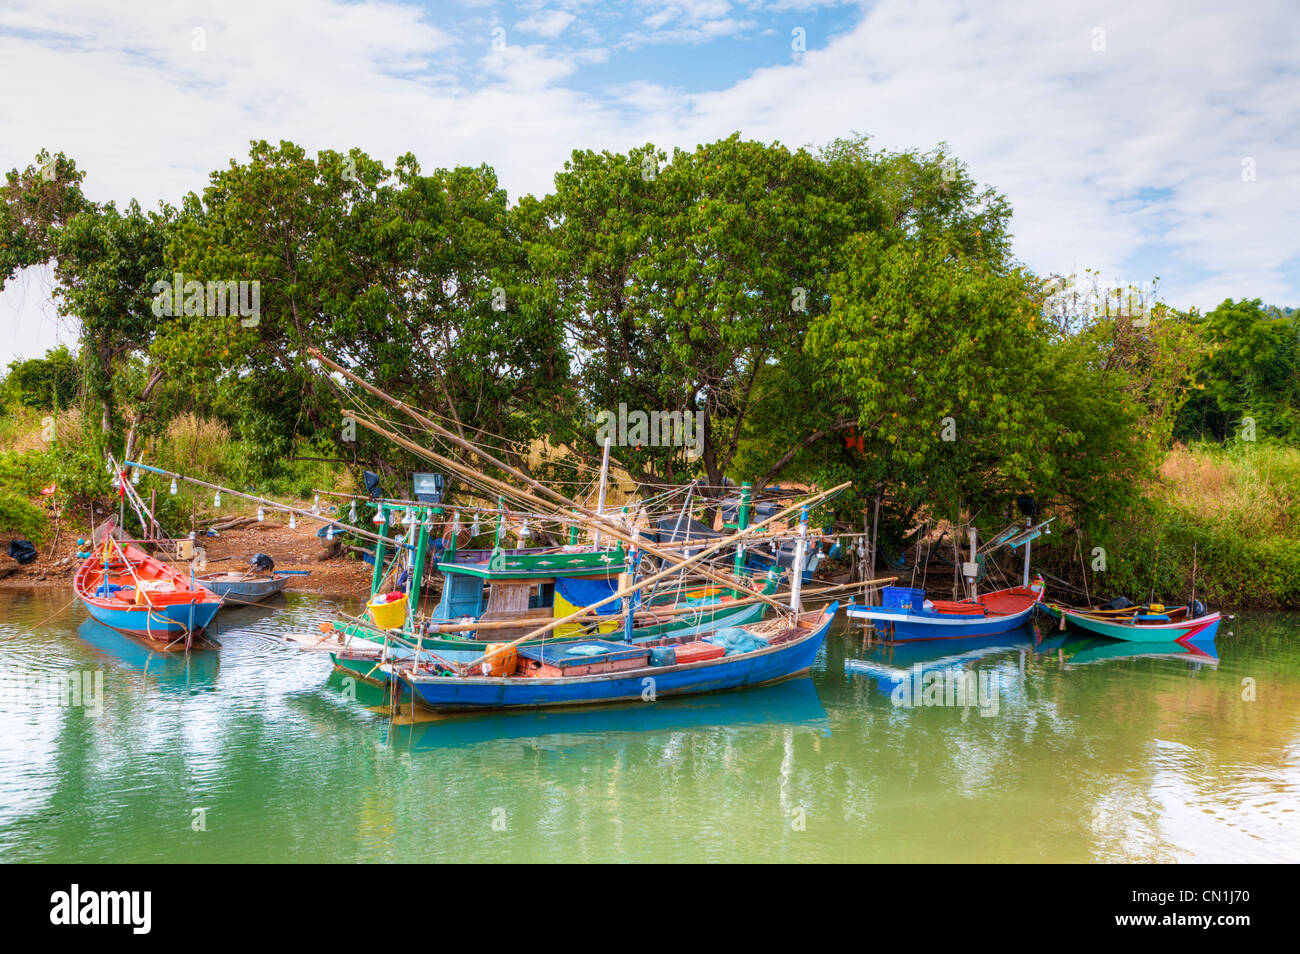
[
  {"x": 134, "y": 593},
  {"x": 606, "y": 671},
  {"x": 905, "y": 613}
]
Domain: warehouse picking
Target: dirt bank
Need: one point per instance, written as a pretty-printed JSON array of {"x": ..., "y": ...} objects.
[{"x": 291, "y": 549}]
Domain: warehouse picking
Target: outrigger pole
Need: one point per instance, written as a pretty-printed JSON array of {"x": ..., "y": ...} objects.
[{"x": 600, "y": 521}]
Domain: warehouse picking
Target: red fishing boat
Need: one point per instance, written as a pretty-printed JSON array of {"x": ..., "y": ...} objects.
[{"x": 137, "y": 594}]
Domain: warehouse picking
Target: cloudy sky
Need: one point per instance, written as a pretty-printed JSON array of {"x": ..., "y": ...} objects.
[{"x": 1142, "y": 138}]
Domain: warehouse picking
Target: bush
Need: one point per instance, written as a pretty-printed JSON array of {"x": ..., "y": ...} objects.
[{"x": 22, "y": 517}]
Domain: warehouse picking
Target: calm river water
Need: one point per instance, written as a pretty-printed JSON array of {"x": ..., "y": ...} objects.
[{"x": 1068, "y": 751}]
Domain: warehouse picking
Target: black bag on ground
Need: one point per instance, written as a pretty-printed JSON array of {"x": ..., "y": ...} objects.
[{"x": 22, "y": 551}]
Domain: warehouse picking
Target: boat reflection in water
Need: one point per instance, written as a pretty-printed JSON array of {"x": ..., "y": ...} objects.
[
  {"x": 171, "y": 672},
  {"x": 897, "y": 664},
  {"x": 791, "y": 704},
  {"x": 1082, "y": 650}
]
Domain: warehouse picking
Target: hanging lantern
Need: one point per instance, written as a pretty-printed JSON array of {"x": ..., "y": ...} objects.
[
  {"x": 352, "y": 513},
  {"x": 261, "y": 515},
  {"x": 173, "y": 489}
]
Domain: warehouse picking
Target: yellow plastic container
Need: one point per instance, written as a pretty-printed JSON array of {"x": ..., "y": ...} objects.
[{"x": 388, "y": 615}]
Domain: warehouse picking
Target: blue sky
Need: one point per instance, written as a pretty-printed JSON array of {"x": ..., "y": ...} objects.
[{"x": 1122, "y": 131}]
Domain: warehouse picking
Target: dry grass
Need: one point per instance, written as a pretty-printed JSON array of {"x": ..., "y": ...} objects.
[
  {"x": 27, "y": 429},
  {"x": 194, "y": 445},
  {"x": 1256, "y": 488}
]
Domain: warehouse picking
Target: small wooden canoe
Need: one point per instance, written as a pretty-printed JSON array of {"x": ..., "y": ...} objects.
[
  {"x": 1146, "y": 627},
  {"x": 242, "y": 589},
  {"x": 137, "y": 594}
]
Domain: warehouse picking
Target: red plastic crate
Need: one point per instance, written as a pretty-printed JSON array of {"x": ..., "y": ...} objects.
[{"x": 695, "y": 652}]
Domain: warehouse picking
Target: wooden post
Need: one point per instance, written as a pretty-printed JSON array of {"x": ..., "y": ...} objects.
[
  {"x": 875, "y": 543},
  {"x": 973, "y": 568},
  {"x": 800, "y": 547},
  {"x": 600, "y": 499}
]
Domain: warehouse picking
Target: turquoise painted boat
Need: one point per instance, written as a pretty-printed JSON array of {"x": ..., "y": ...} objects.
[{"x": 1151, "y": 624}]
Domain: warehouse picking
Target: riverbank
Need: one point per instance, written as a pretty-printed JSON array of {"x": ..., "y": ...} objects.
[{"x": 292, "y": 548}]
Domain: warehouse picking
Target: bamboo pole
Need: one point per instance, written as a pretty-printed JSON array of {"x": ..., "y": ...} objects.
[
  {"x": 607, "y": 527},
  {"x": 648, "y": 615}
]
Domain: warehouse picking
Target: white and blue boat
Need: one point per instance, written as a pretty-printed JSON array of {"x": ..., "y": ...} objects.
[{"x": 905, "y": 614}]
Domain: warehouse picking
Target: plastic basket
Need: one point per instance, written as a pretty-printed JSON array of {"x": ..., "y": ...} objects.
[{"x": 388, "y": 615}]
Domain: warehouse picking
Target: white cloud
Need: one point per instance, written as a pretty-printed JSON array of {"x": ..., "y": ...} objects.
[
  {"x": 550, "y": 23},
  {"x": 1182, "y": 92}
]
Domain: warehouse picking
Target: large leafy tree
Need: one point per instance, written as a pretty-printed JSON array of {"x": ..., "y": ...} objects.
[
  {"x": 415, "y": 280},
  {"x": 1253, "y": 371}
]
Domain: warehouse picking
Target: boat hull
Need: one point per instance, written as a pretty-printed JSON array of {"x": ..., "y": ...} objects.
[
  {"x": 1201, "y": 628},
  {"x": 909, "y": 626},
  {"x": 364, "y": 664},
  {"x": 760, "y": 667},
  {"x": 165, "y": 626},
  {"x": 245, "y": 592}
]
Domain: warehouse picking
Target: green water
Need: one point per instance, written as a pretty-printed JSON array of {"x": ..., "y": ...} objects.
[{"x": 1088, "y": 757}]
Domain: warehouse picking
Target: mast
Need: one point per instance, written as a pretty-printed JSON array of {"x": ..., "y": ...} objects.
[
  {"x": 600, "y": 500},
  {"x": 801, "y": 545},
  {"x": 1029, "y": 522}
]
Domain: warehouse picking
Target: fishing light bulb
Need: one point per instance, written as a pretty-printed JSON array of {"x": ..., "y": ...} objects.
[
  {"x": 315, "y": 504},
  {"x": 473, "y": 531},
  {"x": 216, "y": 499},
  {"x": 352, "y": 513},
  {"x": 379, "y": 516},
  {"x": 261, "y": 515},
  {"x": 407, "y": 519},
  {"x": 173, "y": 485},
  {"x": 292, "y": 522},
  {"x": 524, "y": 532},
  {"x": 135, "y": 477}
]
